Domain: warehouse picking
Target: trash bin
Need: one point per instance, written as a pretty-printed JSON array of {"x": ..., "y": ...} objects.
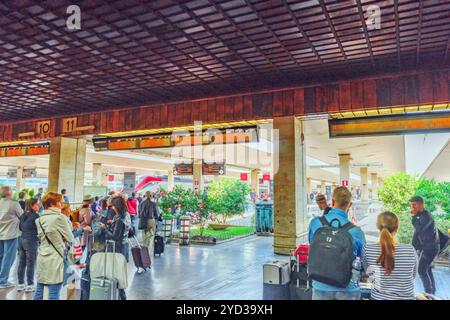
[{"x": 264, "y": 216}]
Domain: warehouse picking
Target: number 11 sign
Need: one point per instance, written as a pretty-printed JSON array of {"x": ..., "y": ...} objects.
[{"x": 69, "y": 125}]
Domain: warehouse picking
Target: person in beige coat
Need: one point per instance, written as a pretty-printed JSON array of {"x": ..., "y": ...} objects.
[{"x": 54, "y": 232}]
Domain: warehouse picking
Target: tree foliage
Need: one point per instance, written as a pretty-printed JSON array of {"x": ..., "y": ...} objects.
[
  {"x": 227, "y": 198},
  {"x": 400, "y": 187}
]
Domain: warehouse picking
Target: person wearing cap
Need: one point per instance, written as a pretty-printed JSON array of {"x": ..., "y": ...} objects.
[
  {"x": 425, "y": 241},
  {"x": 321, "y": 201}
]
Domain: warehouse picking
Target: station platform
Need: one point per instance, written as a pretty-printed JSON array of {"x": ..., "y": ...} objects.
[{"x": 228, "y": 271}]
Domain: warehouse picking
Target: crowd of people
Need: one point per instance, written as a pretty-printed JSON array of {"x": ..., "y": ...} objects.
[
  {"x": 49, "y": 238},
  {"x": 391, "y": 267}
]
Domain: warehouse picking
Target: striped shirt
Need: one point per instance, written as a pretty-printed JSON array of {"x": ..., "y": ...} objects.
[{"x": 399, "y": 285}]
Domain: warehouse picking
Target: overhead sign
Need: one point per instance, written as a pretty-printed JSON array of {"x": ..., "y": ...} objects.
[
  {"x": 183, "y": 169},
  {"x": 266, "y": 176},
  {"x": 390, "y": 125},
  {"x": 129, "y": 182},
  {"x": 213, "y": 169},
  {"x": 244, "y": 176},
  {"x": 207, "y": 137},
  {"x": 344, "y": 183},
  {"x": 29, "y": 173},
  {"x": 25, "y": 150}
]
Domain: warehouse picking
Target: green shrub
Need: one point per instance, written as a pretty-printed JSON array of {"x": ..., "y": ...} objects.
[{"x": 227, "y": 198}]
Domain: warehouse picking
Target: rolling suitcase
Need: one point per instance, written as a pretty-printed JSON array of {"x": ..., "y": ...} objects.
[
  {"x": 103, "y": 288},
  {"x": 141, "y": 256},
  {"x": 159, "y": 245},
  {"x": 276, "y": 276},
  {"x": 300, "y": 285}
]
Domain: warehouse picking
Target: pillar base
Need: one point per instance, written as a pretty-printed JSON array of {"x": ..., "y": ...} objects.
[{"x": 285, "y": 244}]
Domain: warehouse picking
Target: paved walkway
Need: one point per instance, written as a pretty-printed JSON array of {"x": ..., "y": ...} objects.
[{"x": 227, "y": 271}]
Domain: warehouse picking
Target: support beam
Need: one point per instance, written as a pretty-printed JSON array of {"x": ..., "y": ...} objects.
[
  {"x": 322, "y": 186},
  {"x": 364, "y": 184},
  {"x": 374, "y": 183},
  {"x": 198, "y": 175},
  {"x": 66, "y": 167},
  {"x": 344, "y": 168},
  {"x": 20, "y": 183},
  {"x": 170, "y": 180},
  {"x": 97, "y": 173},
  {"x": 254, "y": 178},
  {"x": 291, "y": 221}
]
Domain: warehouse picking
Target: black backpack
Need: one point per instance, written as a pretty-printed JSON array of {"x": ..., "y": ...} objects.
[{"x": 331, "y": 254}]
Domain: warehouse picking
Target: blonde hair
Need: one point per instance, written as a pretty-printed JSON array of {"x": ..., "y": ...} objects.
[
  {"x": 387, "y": 223},
  {"x": 342, "y": 196}
]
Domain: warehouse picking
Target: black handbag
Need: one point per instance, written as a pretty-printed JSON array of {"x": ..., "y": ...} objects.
[{"x": 443, "y": 241}]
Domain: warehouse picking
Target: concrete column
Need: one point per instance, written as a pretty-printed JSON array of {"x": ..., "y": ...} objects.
[
  {"x": 170, "y": 180},
  {"x": 66, "y": 167},
  {"x": 380, "y": 183},
  {"x": 363, "y": 172},
  {"x": 216, "y": 178},
  {"x": 291, "y": 221},
  {"x": 322, "y": 186},
  {"x": 254, "y": 181},
  {"x": 97, "y": 174},
  {"x": 308, "y": 186},
  {"x": 198, "y": 175},
  {"x": 374, "y": 183},
  {"x": 344, "y": 168},
  {"x": 20, "y": 183}
]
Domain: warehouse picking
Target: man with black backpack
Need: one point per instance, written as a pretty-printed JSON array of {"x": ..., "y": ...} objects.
[{"x": 335, "y": 245}]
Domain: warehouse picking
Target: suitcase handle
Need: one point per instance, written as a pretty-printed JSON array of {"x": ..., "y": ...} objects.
[{"x": 106, "y": 259}]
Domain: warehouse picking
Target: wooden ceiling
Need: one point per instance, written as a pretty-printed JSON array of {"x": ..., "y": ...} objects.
[{"x": 138, "y": 52}]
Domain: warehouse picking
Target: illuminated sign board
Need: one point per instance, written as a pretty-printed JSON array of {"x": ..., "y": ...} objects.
[
  {"x": 390, "y": 125},
  {"x": 183, "y": 169},
  {"x": 213, "y": 169},
  {"x": 178, "y": 139},
  {"x": 25, "y": 150}
]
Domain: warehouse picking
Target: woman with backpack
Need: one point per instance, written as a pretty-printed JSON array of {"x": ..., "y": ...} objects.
[
  {"x": 119, "y": 230},
  {"x": 85, "y": 218},
  {"x": 391, "y": 266}
]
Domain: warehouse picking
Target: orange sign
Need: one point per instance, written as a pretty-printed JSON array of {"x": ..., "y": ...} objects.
[{"x": 392, "y": 124}]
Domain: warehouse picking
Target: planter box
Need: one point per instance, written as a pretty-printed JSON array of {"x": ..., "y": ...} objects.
[{"x": 218, "y": 226}]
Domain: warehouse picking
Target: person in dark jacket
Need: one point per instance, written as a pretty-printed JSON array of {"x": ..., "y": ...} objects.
[
  {"x": 148, "y": 214},
  {"x": 21, "y": 200},
  {"x": 28, "y": 245},
  {"x": 321, "y": 201},
  {"x": 119, "y": 231},
  {"x": 425, "y": 241}
]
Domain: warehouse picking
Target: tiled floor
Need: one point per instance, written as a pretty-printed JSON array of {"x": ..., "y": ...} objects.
[{"x": 231, "y": 270}]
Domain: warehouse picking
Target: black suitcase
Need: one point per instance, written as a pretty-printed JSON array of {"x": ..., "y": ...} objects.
[
  {"x": 159, "y": 245},
  {"x": 300, "y": 287}
]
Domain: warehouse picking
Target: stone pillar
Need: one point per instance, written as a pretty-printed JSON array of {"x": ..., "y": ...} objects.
[
  {"x": 344, "y": 168},
  {"x": 20, "y": 183},
  {"x": 97, "y": 174},
  {"x": 322, "y": 186},
  {"x": 254, "y": 181},
  {"x": 66, "y": 167},
  {"x": 291, "y": 221},
  {"x": 170, "y": 180},
  {"x": 198, "y": 175},
  {"x": 308, "y": 188},
  {"x": 380, "y": 183},
  {"x": 374, "y": 183},
  {"x": 363, "y": 172}
]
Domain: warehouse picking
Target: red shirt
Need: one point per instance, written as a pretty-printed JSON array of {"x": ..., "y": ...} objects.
[{"x": 132, "y": 205}]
